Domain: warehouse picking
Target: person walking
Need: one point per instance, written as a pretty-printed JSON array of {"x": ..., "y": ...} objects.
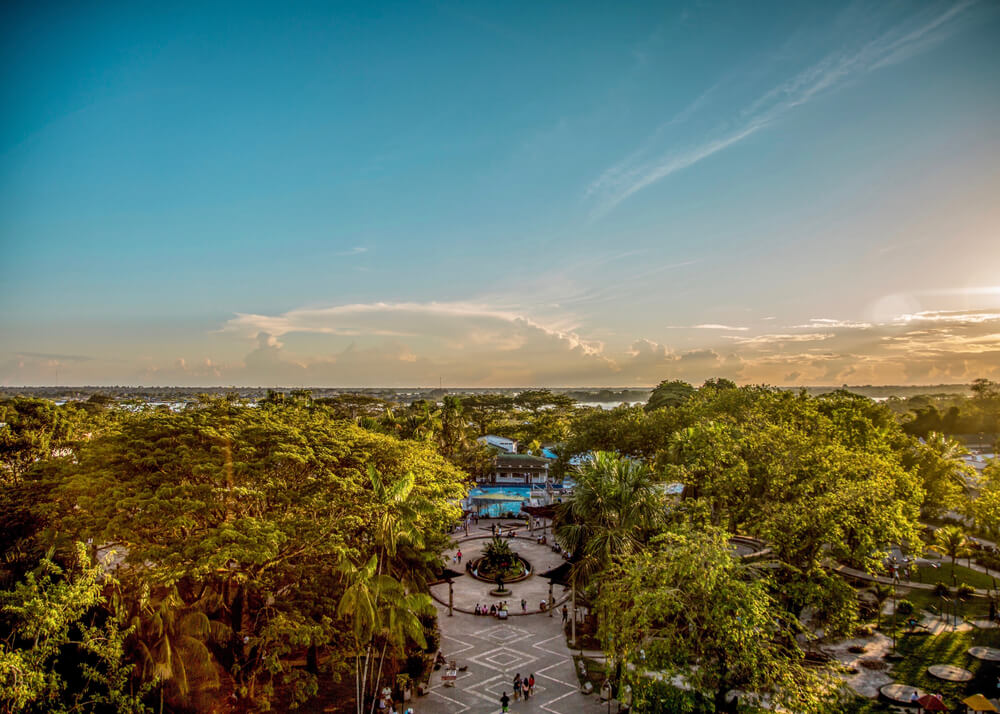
[
  {"x": 459, "y": 555},
  {"x": 524, "y": 605},
  {"x": 565, "y": 613},
  {"x": 531, "y": 683},
  {"x": 504, "y": 702},
  {"x": 517, "y": 686},
  {"x": 525, "y": 689}
]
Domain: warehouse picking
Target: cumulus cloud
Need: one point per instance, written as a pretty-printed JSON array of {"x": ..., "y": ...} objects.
[{"x": 474, "y": 343}]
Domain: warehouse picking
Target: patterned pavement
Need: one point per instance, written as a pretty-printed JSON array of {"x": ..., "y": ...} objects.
[{"x": 493, "y": 652}]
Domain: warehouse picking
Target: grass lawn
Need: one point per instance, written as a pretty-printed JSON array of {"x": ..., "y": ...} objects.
[
  {"x": 978, "y": 608},
  {"x": 928, "y": 574},
  {"x": 921, "y": 651}
]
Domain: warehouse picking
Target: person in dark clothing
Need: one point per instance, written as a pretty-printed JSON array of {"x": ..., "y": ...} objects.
[{"x": 504, "y": 702}]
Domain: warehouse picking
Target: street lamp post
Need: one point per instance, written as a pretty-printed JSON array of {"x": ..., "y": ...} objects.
[
  {"x": 573, "y": 598},
  {"x": 894, "y": 618}
]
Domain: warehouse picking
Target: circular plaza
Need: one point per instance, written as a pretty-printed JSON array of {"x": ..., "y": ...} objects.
[{"x": 538, "y": 550}]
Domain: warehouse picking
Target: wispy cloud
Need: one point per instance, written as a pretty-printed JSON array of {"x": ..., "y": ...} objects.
[
  {"x": 959, "y": 316},
  {"x": 707, "y": 326},
  {"x": 356, "y": 250},
  {"x": 56, "y": 357},
  {"x": 829, "y": 323},
  {"x": 904, "y": 40},
  {"x": 772, "y": 339}
]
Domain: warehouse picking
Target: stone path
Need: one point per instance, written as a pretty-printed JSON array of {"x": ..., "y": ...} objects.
[{"x": 493, "y": 652}]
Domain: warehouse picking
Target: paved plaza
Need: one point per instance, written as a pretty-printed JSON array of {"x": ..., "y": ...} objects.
[
  {"x": 493, "y": 651},
  {"x": 468, "y": 591}
]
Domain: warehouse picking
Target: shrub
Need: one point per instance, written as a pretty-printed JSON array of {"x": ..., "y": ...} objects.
[
  {"x": 904, "y": 608},
  {"x": 988, "y": 560}
]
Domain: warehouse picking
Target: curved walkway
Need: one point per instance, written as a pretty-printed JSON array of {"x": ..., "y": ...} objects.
[
  {"x": 884, "y": 580},
  {"x": 468, "y": 591}
]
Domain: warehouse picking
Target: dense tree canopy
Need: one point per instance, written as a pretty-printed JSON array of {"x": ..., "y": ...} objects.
[
  {"x": 250, "y": 540},
  {"x": 688, "y": 608},
  {"x": 671, "y": 393},
  {"x": 239, "y": 530}
]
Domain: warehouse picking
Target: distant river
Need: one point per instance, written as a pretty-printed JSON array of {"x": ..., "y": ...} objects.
[{"x": 606, "y": 405}]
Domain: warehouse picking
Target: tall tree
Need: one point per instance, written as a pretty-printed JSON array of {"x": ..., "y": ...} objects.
[
  {"x": 952, "y": 542},
  {"x": 62, "y": 642},
  {"x": 938, "y": 462},
  {"x": 171, "y": 637},
  {"x": 260, "y": 506},
  {"x": 669, "y": 393},
  {"x": 686, "y": 609},
  {"x": 616, "y": 505},
  {"x": 816, "y": 478}
]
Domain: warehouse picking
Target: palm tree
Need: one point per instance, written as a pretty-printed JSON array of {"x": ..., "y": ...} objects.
[
  {"x": 938, "y": 462},
  {"x": 400, "y": 623},
  {"x": 379, "y": 608},
  {"x": 952, "y": 542},
  {"x": 375, "y": 601},
  {"x": 497, "y": 555},
  {"x": 614, "y": 508},
  {"x": 453, "y": 435},
  {"x": 171, "y": 637},
  {"x": 396, "y": 510}
]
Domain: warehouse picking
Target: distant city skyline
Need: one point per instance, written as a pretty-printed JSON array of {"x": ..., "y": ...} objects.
[{"x": 377, "y": 194}]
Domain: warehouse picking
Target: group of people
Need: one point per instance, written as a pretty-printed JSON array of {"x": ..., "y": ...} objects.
[
  {"x": 497, "y": 530},
  {"x": 522, "y": 688},
  {"x": 387, "y": 706},
  {"x": 495, "y": 610}
]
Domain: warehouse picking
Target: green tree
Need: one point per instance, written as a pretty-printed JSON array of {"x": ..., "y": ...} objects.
[
  {"x": 687, "y": 608},
  {"x": 964, "y": 593},
  {"x": 952, "y": 542},
  {"x": 61, "y": 644},
  {"x": 171, "y": 638},
  {"x": 382, "y": 614},
  {"x": 816, "y": 478},
  {"x": 497, "y": 555},
  {"x": 984, "y": 388},
  {"x": 616, "y": 505},
  {"x": 34, "y": 430},
  {"x": 669, "y": 393},
  {"x": 939, "y": 465},
  {"x": 488, "y": 411},
  {"x": 263, "y": 508},
  {"x": 986, "y": 507}
]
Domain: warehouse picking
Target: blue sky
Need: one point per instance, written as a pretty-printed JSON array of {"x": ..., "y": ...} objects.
[{"x": 536, "y": 194}]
